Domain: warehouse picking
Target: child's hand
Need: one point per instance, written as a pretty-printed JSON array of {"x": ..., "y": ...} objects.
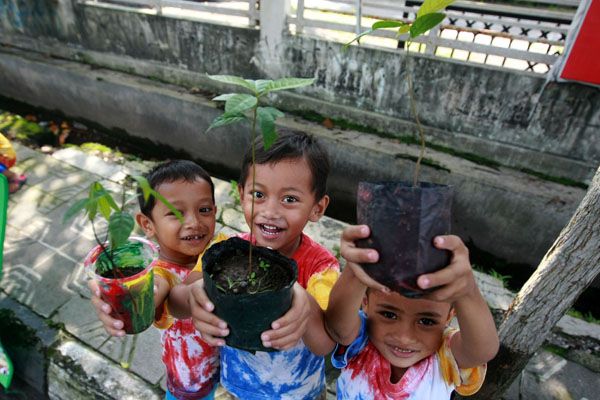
[
  {"x": 456, "y": 280},
  {"x": 355, "y": 255},
  {"x": 112, "y": 326},
  {"x": 208, "y": 324},
  {"x": 290, "y": 328}
]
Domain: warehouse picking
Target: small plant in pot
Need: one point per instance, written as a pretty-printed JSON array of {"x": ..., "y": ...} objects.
[
  {"x": 405, "y": 217},
  {"x": 250, "y": 286},
  {"x": 121, "y": 263}
]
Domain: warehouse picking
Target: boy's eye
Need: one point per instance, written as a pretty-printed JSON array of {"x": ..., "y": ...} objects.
[
  {"x": 290, "y": 199},
  {"x": 206, "y": 210},
  {"x": 388, "y": 315},
  {"x": 258, "y": 195},
  {"x": 428, "y": 322}
]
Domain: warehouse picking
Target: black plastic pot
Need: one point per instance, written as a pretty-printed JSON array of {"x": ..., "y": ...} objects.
[
  {"x": 247, "y": 315},
  {"x": 404, "y": 220}
]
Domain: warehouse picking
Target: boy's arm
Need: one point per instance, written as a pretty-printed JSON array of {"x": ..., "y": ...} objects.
[
  {"x": 477, "y": 342},
  {"x": 179, "y": 297},
  {"x": 341, "y": 318},
  {"x": 316, "y": 337}
]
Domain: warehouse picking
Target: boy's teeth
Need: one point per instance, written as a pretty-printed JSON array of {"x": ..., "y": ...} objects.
[
  {"x": 193, "y": 237},
  {"x": 270, "y": 228},
  {"x": 402, "y": 350}
]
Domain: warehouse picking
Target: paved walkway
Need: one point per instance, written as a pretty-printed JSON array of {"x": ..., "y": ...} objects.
[{"x": 59, "y": 346}]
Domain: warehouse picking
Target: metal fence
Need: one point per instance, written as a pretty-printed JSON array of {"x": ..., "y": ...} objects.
[{"x": 527, "y": 36}]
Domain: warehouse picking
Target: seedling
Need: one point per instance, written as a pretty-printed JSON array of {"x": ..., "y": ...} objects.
[
  {"x": 428, "y": 17},
  {"x": 240, "y": 107},
  {"x": 100, "y": 203}
]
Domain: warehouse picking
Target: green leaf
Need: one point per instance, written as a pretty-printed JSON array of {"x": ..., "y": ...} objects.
[
  {"x": 425, "y": 23},
  {"x": 224, "y": 97},
  {"x": 226, "y": 119},
  {"x": 261, "y": 85},
  {"x": 432, "y": 6},
  {"x": 144, "y": 185},
  {"x": 75, "y": 209},
  {"x": 266, "y": 119},
  {"x": 345, "y": 46},
  {"x": 104, "y": 207},
  {"x": 120, "y": 227},
  {"x": 239, "y": 103},
  {"x": 170, "y": 206},
  {"x": 387, "y": 24},
  {"x": 403, "y": 29},
  {"x": 288, "y": 83},
  {"x": 234, "y": 80}
]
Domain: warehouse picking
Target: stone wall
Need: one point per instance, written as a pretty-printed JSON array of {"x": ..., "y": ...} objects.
[
  {"x": 497, "y": 114},
  {"x": 145, "y": 74}
]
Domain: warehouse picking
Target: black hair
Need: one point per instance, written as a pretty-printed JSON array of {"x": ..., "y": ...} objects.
[
  {"x": 171, "y": 171},
  {"x": 291, "y": 145}
]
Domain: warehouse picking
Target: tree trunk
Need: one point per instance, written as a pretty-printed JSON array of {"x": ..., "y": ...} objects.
[{"x": 566, "y": 270}]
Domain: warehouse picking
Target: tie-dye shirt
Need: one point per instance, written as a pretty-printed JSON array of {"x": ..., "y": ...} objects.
[
  {"x": 366, "y": 373},
  {"x": 294, "y": 374},
  {"x": 192, "y": 365}
]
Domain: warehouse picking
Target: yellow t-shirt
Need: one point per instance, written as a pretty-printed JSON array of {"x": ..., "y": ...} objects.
[{"x": 8, "y": 157}]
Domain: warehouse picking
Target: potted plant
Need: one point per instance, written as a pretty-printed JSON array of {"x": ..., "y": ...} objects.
[
  {"x": 120, "y": 263},
  {"x": 240, "y": 278},
  {"x": 404, "y": 217}
]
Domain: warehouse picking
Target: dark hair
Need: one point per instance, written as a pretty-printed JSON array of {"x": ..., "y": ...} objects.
[
  {"x": 288, "y": 146},
  {"x": 171, "y": 171}
]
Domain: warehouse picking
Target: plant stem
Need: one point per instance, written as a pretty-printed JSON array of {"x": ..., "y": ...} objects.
[
  {"x": 254, "y": 116},
  {"x": 105, "y": 250},
  {"x": 413, "y": 107}
]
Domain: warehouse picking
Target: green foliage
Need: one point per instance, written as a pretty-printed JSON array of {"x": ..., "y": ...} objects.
[
  {"x": 428, "y": 17},
  {"x": 588, "y": 316},
  {"x": 100, "y": 202},
  {"x": 264, "y": 265},
  {"x": 502, "y": 278},
  {"x": 239, "y": 105},
  {"x": 234, "y": 193}
]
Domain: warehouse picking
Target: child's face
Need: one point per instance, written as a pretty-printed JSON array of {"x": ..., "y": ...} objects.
[
  {"x": 182, "y": 243},
  {"x": 404, "y": 330},
  {"x": 284, "y": 203}
]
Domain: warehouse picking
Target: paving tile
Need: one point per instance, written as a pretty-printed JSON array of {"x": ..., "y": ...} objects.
[
  {"x": 90, "y": 163},
  {"x": 37, "y": 277},
  {"x": 31, "y": 199},
  {"x": 80, "y": 320}
]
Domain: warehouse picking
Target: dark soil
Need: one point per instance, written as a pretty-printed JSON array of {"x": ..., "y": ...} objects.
[
  {"x": 232, "y": 275},
  {"x": 120, "y": 273}
]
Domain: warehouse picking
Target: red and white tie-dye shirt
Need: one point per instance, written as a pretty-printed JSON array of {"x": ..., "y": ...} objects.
[
  {"x": 192, "y": 365},
  {"x": 366, "y": 373}
]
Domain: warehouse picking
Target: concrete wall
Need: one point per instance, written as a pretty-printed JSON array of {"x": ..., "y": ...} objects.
[
  {"x": 497, "y": 114},
  {"x": 493, "y": 113},
  {"x": 90, "y": 62}
]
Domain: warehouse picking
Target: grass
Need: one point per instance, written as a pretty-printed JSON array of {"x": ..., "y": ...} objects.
[{"x": 588, "y": 317}]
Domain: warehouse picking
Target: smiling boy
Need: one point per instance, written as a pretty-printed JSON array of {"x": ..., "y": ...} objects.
[
  {"x": 290, "y": 191},
  {"x": 402, "y": 348}
]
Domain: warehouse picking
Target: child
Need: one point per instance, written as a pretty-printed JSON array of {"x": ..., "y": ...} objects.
[
  {"x": 8, "y": 158},
  {"x": 401, "y": 348},
  {"x": 290, "y": 191},
  {"x": 191, "y": 363}
]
